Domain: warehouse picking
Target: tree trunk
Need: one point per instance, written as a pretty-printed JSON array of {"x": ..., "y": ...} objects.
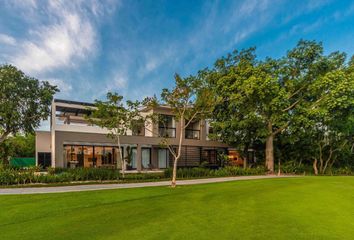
[
  {"x": 279, "y": 172},
  {"x": 315, "y": 166},
  {"x": 321, "y": 159},
  {"x": 121, "y": 157},
  {"x": 270, "y": 153},
  {"x": 174, "y": 173},
  {"x": 245, "y": 155},
  {"x": 328, "y": 160},
  {"x": 4, "y": 136}
]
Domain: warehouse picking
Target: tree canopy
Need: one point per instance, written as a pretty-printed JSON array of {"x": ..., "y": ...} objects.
[
  {"x": 260, "y": 99},
  {"x": 24, "y": 101}
]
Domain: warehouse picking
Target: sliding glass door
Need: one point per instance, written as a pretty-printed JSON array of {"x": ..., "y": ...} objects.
[
  {"x": 163, "y": 158},
  {"x": 146, "y": 157}
]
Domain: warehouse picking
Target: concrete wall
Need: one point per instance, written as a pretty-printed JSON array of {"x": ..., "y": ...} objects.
[{"x": 43, "y": 142}]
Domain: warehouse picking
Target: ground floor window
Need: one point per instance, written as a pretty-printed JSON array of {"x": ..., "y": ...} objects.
[
  {"x": 44, "y": 159},
  {"x": 146, "y": 157},
  {"x": 214, "y": 157},
  {"x": 162, "y": 158},
  {"x": 91, "y": 156}
]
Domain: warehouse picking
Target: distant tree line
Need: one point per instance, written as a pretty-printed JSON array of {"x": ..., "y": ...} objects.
[{"x": 297, "y": 108}]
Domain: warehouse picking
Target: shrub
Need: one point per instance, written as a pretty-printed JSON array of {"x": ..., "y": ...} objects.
[
  {"x": 9, "y": 176},
  {"x": 341, "y": 171},
  {"x": 221, "y": 172}
]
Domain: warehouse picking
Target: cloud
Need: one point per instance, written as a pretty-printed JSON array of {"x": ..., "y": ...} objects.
[
  {"x": 64, "y": 86},
  {"x": 6, "y": 39},
  {"x": 69, "y": 37},
  {"x": 60, "y": 34}
]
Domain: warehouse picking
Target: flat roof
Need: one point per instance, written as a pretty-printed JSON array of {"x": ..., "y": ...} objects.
[{"x": 74, "y": 102}]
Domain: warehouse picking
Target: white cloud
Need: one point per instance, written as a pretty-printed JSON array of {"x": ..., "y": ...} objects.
[
  {"x": 61, "y": 34},
  {"x": 64, "y": 87},
  {"x": 6, "y": 39},
  {"x": 68, "y": 38},
  {"x": 119, "y": 82}
]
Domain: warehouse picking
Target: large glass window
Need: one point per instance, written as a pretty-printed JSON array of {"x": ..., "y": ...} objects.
[
  {"x": 138, "y": 128},
  {"x": 167, "y": 126},
  {"x": 74, "y": 156},
  {"x": 163, "y": 158},
  {"x": 108, "y": 156},
  {"x": 193, "y": 130},
  {"x": 133, "y": 162},
  {"x": 89, "y": 160},
  {"x": 98, "y": 156},
  {"x": 146, "y": 157},
  {"x": 44, "y": 159},
  {"x": 92, "y": 156}
]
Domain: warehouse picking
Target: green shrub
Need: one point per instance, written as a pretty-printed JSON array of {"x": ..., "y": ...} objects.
[
  {"x": 9, "y": 176},
  {"x": 198, "y": 172},
  {"x": 341, "y": 171}
]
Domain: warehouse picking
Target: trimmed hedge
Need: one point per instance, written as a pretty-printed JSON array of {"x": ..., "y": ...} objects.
[
  {"x": 228, "y": 171},
  {"x": 10, "y": 176}
]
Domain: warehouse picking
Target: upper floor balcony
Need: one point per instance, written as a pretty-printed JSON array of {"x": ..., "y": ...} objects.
[{"x": 72, "y": 116}]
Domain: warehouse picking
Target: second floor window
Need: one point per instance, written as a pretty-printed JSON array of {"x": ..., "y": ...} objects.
[
  {"x": 167, "y": 126},
  {"x": 193, "y": 130},
  {"x": 138, "y": 128}
]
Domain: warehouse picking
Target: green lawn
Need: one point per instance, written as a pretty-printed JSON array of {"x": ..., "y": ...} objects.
[{"x": 292, "y": 208}]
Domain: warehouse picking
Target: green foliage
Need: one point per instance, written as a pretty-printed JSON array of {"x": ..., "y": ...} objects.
[
  {"x": 304, "y": 96},
  {"x": 25, "y": 101},
  {"x": 114, "y": 114},
  {"x": 17, "y": 146},
  {"x": 10, "y": 176},
  {"x": 228, "y": 171}
]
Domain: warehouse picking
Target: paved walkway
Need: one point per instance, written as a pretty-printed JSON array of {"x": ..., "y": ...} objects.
[{"x": 93, "y": 187}]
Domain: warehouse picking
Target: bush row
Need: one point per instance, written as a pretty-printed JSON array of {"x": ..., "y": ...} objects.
[
  {"x": 295, "y": 168},
  {"x": 221, "y": 172},
  {"x": 11, "y": 176}
]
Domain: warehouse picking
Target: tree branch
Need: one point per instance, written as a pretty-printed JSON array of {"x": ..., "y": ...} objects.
[
  {"x": 190, "y": 120},
  {"x": 281, "y": 129},
  {"x": 4, "y": 136},
  {"x": 292, "y": 105}
]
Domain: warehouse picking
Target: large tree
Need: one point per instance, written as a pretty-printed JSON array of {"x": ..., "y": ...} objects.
[
  {"x": 117, "y": 116},
  {"x": 261, "y": 99},
  {"x": 24, "y": 101},
  {"x": 189, "y": 100},
  {"x": 327, "y": 124}
]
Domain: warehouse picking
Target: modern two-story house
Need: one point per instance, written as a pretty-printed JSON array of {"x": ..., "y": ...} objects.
[{"x": 73, "y": 142}]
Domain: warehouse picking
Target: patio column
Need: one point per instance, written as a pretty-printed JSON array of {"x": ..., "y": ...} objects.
[{"x": 138, "y": 158}]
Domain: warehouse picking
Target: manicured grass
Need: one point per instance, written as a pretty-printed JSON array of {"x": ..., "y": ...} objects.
[{"x": 291, "y": 208}]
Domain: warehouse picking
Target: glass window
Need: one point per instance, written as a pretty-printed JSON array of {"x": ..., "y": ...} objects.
[
  {"x": 98, "y": 156},
  {"x": 107, "y": 156},
  {"x": 138, "y": 128},
  {"x": 89, "y": 160},
  {"x": 133, "y": 163},
  {"x": 145, "y": 157},
  {"x": 74, "y": 156},
  {"x": 163, "y": 158}
]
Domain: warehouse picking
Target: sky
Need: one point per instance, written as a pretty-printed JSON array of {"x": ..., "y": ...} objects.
[{"x": 90, "y": 47}]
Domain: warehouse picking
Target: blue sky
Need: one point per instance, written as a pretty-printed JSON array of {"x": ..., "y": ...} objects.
[{"x": 90, "y": 47}]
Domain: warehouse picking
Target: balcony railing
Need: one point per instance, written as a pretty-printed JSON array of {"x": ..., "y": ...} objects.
[
  {"x": 192, "y": 134},
  {"x": 167, "y": 132}
]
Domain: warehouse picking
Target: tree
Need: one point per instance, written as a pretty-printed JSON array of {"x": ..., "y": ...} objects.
[
  {"x": 329, "y": 122},
  {"x": 24, "y": 101},
  {"x": 116, "y": 116},
  {"x": 261, "y": 99},
  {"x": 189, "y": 100},
  {"x": 17, "y": 146}
]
